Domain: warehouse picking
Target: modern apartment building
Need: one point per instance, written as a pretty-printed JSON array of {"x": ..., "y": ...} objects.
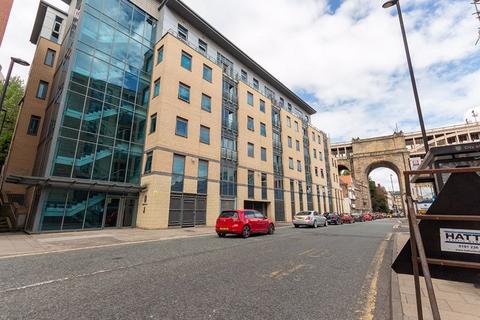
[{"x": 154, "y": 119}]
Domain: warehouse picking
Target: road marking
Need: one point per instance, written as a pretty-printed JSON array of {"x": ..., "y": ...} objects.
[
  {"x": 305, "y": 252},
  {"x": 279, "y": 274},
  {"x": 367, "y": 312}
]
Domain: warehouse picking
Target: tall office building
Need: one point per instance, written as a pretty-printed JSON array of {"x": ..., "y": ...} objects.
[{"x": 154, "y": 119}]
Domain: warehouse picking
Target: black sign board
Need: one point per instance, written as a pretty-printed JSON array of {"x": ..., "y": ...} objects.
[{"x": 450, "y": 240}]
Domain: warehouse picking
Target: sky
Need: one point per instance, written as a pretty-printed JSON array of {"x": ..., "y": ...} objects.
[{"x": 344, "y": 57}]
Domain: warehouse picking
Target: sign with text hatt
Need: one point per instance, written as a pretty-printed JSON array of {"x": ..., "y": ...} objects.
[{"x": 460, "y": 240}]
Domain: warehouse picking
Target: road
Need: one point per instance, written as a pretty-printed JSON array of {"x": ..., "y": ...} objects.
[{"x": 338, "y": 272}]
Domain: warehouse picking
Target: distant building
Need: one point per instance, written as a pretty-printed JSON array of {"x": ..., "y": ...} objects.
[{"x": 355, "y": 194}]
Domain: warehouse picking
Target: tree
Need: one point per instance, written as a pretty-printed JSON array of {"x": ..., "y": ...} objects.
[
  {"x": 14, "y": 95},
  {"x": 379, "y": 201}
]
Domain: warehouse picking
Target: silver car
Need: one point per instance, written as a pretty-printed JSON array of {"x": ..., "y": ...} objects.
[{"x": 309, "y": 218}]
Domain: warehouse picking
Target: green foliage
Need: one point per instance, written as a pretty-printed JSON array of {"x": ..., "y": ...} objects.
[
  {"x": 379, "y": 201},
  {"x": 14, "y": 95}
]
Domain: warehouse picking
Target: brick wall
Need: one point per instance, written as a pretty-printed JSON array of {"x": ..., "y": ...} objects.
[{"x": 5, "y": 7}]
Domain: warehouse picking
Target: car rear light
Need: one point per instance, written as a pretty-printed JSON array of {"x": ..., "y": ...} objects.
[{"x": 308, "y": 218}]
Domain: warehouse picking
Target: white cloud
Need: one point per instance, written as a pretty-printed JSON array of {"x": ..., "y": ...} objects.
[{"x": 16, "y": 41}]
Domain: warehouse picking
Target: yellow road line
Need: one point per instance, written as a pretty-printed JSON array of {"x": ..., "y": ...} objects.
[{"x": 367, "y": 312}]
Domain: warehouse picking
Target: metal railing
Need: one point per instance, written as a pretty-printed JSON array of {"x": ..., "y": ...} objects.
[{"x": 416, "y": 242}]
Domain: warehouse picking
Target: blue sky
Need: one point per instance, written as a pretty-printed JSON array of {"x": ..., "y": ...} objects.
[{"x": 346, "y": 58}]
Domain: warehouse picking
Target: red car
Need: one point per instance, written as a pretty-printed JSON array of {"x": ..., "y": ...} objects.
[
  {"x": 346, "y": 218},
  {"x": 367, "y": 217},
  {"x": 243, "y": 222}
]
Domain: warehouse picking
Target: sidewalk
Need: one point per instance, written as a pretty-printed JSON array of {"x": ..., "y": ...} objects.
[
  {"x": 14, "y": 244},
  {"x": 456, "y": 300},
  {"x": 18, "y": 243}
]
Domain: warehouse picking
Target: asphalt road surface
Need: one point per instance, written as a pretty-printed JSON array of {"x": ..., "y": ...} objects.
[{"x": 338, "y": 272}]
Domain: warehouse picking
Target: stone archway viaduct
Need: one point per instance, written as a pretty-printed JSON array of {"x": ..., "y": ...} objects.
[{"x": 362, "y": 156}]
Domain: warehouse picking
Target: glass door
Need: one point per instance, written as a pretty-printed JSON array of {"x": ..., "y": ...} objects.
[
  {"x": 112, "y": 211},
  {"x": 129, "y": 210}
]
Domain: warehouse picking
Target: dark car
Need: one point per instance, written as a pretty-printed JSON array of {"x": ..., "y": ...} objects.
[
  {"x": 358, "y": 217},
  {"x": 333, "y": 218}
]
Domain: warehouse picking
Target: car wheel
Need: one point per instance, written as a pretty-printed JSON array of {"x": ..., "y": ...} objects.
[
  {"x": 296, "y": 225},
  {"x": 325, "y": 224},
  {"x": 315, "y": 224},
  {"x": 271, "y": 229},
  {"x": 246, "y": 232},
  {"x": 221, "y": 235}
]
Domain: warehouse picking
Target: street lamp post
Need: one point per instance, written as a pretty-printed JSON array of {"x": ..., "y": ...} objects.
[
  {"x": 5, "y": 86},
  {"x": 389, "y": 4}
]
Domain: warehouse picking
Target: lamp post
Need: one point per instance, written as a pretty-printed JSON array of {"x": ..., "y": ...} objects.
[
  {"x": 389, "y": 4},
  {"x": 5, "y": 86}
]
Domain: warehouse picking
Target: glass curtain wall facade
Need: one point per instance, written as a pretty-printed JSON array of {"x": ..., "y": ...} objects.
[{"x": 102, "y": 128}]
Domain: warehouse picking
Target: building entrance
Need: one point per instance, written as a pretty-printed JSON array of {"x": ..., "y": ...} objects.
[
  {"x": 119, "y": 212},
  {"x": 256, "y": 205}
]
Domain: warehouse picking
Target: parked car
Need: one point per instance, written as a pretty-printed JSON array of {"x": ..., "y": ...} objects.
[
  {"x": 243, "y": 222},
  {"x": 346, "y": 218},
  {"x": 333, "y": 218},
  {"x": 309, "y": 218},
  {"x": 367, "y": 217},
  {"x": 357, "y": 217}
]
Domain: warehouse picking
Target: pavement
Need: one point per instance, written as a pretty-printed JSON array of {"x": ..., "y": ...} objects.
[
  {"x": 337, "y": 272},
  {"x": 456, "y": 300}
]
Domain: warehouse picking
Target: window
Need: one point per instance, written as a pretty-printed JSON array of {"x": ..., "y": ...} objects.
[
  {"x": 207, "y": 73},
  {"x": 148, "y": 163},
  {"x": 262, "y": 105},
  {"x": 57, "y": 25},
  {"x": 202, "y": 46},
  {"x": 182, "y": 32},
  {"x": 42, "y": 90},
  {"x": 282, "y": 102},
  {"x": 250, "y": 150},
  {"x": 315, "y": 153},
  {"x": 264, "y": 186},
  {"x": 156, "y": 88},
  {"x": 313, "y": 136},
  {"x": 290, "y": 163},
  {"x": 206, "y": 103},
  {"x": 297, "y": 145},
  {"x": 204, "y": 134},
  {"x": 275, "y": 118},
  {"x": 33, "y": 125},
  {"x": 255, "y": 84},
  {"x": 289, "y": 139},
  {"x": 181, "y": 128},
  {"x": 299, "y": 166},
  {"x": 178, "y": 170},
  {"x": 251, "y": 184},
  {"x": 319, "y": 141},
  {"x": 250, "y": 125},
  {"x": 186, "y": 61},
  {"x": 244, "y": 75},
  {"x": 322, "y": 174},
  {"x": 160, "y": 55},
  {"x": 250, "y": 98},
  {"x": 263, "y": 154},
  {"x": 153, "y": 123},
  {"x": 296, "y": 126},
  {"x": 316, "y": 171},
  {"x": 202, "y": 181},
  {"x": 320, "y": 155},
  {"x": 289, "y": 122},
  {"x": 183, "y": 92},
  {"x": 50, "y": 57},
  {"x": 263, "y": 129},
  {"x": 289, "y": 106}
]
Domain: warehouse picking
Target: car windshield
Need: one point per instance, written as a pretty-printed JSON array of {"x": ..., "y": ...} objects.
[
  {"x": 303, "y": 213},
  {"x": 228, "y": 214}
]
